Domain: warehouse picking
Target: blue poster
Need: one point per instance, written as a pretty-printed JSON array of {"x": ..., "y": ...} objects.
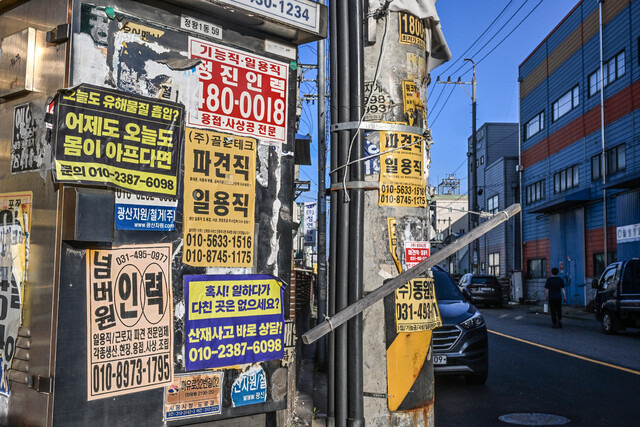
[
  {"x": 250, "y": 388},
  {"x": 232, "y": 320},
  {"x": 138, "y": 212}
]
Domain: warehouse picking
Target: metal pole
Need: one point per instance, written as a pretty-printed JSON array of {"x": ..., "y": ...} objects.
[
  {"x": 333, "y": 64},
  {"x": 342, "y": 272},
  {"x": 322, "y": 201},
  {"x": 474, "y": 169},
  {"x": 604, "y": 151},
  {"x": 376, "y": 295},
  {"x": 356, "y": 215}
]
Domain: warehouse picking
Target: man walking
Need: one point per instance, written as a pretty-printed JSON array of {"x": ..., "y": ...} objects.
[{"x": 553, "y": 292}]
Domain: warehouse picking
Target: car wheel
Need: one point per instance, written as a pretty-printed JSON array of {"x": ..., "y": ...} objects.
[
  {"x": 609, "y": 323},
  {"x": 476, "y": 379}
]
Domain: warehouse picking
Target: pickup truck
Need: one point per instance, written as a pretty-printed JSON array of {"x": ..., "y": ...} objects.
[{"x": 617, "y": 301}]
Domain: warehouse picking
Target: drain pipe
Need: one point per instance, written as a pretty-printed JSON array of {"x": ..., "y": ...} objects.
[
  {"x": 333, "y": 227},
  {"x": 356, "y": 215},
  {"x": 342, "y": 268},
  {"x": 604, "y": 151}
]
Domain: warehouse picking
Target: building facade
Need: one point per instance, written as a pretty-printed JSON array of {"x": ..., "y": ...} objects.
[
  {"x": 579, "y": 146},
  {"x": 497, "y": 188}
]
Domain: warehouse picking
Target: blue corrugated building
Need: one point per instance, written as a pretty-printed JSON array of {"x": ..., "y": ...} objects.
[
  {"x": 497, "y": 188},
  {"x": 574, "y": 187}
]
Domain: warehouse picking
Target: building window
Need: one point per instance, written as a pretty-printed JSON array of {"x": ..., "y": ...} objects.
[
  {"x": 492, "y": 204},
  {"x": 494, "y": 264},
  {"x": 534, "y": 126},
  {"x": 482, "y": 160},
  {"x": 566, "y": 179},
  {"x": 615, "y": 162},
  {"x": 535, "y": 192},
  {"x": 599, "y": 265},
  {"x": 566, "y": 103},
  {"x": 536, "y": 268},
  {"x": 613, "y": 70}
]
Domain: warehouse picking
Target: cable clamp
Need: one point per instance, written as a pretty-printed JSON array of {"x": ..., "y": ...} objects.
[{"x": 328, "y": 320}]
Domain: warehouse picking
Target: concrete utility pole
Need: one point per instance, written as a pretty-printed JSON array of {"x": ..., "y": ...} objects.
[{"x": 474, "y": 247}]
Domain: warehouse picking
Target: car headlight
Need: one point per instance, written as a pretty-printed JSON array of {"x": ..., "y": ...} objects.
[{"x": 474, "y": 321}]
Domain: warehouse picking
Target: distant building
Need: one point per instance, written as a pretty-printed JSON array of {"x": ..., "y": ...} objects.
[
  {"x": 449, "y": 220},
  {"x": 497, "y": 188},
  {"x": 570, "y": 195}
]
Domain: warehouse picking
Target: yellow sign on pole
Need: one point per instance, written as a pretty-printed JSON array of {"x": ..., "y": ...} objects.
[
  {"x": 416, "y": 306},
  {"x": 402, "y": 171},
  {"x": 219, "y": 199}
]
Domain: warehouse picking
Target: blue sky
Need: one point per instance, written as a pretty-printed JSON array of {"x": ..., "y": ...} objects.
[{"x": 449, "y": 107}]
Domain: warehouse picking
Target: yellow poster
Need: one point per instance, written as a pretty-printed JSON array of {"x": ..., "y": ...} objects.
[
  {"x": 411, "y": 30},
  {"x": 393, "y": 241},
  {"x": 129, "y": 319},
  {"x": 416, "y": 306},
  {"x": 219, "y": 199},
  {"x": 402, "y": 171},
  {"x": 193, "y": 395}
]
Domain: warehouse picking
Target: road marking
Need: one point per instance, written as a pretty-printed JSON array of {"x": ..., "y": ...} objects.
[{"x": 566, "y": 353}]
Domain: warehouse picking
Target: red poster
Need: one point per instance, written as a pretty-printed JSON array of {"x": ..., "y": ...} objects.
[{"x": 240, "y": 93}]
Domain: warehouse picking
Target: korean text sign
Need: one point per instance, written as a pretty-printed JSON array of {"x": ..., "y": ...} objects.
[
  {"x": 240, "y": 93},
  {"x": 402, "y": 171},
  {"x": 219, "y": 199},
  {"x": 232, "y": 320},
  {"x": 416, "y": 306},
  {"x": 129, "y": 319},
  {"x": 107, "y": 137}
]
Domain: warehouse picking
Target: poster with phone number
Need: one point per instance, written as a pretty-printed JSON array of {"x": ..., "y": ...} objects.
[
  {"x": 232, "y": 320},
  {"x": 240, "y": 92},
  {"x": 129, "y": 319},
  {"x": 113, "y": 138},
  {"x": 219, "y": 199}
]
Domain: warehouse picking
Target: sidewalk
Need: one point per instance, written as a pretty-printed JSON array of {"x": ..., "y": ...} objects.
[
  {"x": 570, "y": 311},
  {"x": 310, "y": 407}
]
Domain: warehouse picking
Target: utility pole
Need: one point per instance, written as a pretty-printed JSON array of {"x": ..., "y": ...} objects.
[{"x": 474, "y": 248}]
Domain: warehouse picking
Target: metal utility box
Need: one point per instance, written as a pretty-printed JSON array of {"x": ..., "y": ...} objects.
[{"x": 146, "y": 190}]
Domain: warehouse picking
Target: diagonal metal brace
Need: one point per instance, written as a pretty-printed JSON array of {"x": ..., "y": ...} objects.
[
  {"x": 391, "y": 127},
  {"x": 371, "y": 298}
]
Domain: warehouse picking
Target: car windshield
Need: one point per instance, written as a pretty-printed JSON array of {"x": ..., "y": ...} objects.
[{"x": 446, "y": 289}]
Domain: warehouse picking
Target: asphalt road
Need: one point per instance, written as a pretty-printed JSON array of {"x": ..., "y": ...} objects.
[{"x": 591, "y": 378}]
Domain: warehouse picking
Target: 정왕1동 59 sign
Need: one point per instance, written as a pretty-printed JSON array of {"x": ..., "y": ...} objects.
[
  {"x": 108, "y": 137},
  {"x": 232, "y": 320},
  {"x": 240, "y": 93}
]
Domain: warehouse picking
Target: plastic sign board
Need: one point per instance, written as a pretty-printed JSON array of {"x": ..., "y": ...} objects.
[
  {"x": 108, "y": 137},
  {"x": 303, "y": 14},
  {"x": 249, "y": 388},
  {"x": 219, "y": 199},
  {"x": 240, "y": 93},
  {"x": 129, "y": 319},
  {"x": 193, "y": 395},
  {"x": 628, "y": 233},
  {"x": 232, "y": 320},
  {"x": 144, "y": 213}
]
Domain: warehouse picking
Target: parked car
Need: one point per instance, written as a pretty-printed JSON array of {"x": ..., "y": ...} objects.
[
  {"x": 483, "y": 288},
  {"x": 617, "y": 301},
  {"x": 460, "y": 345}
]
